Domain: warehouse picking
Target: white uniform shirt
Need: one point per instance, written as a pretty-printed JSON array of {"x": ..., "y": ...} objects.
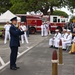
[
  {"x": 69, "y": 37},
  {"x": 57, "y": 36},
  {"x": 63, "y": 36},
  {"x": 7, "y": 27},
  {"x": 23, "y": 28},
  {"x": 42, "y": 27}
]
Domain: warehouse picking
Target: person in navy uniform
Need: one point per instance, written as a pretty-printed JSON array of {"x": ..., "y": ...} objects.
[{"x": 14, "y": 42}]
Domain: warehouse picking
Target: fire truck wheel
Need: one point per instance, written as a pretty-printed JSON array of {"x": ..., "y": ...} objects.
[
  {"x": 32, "y": 30},
  {"x": 60, "y": 28}
]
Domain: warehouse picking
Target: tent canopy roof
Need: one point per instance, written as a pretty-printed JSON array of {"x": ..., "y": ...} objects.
[{"x": 7, "y": 16}]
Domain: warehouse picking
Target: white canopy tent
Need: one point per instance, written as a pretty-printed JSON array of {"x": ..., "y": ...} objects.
[{"x": 7, "y": 16}]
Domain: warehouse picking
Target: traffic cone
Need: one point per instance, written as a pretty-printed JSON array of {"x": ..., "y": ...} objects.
[{"x": 54, "y": 63}]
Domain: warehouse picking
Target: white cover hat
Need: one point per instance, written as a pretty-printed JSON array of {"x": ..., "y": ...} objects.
[
  {"x": 68, "y": 30},
  {"x": 57, "y": 30},
  {"x": 64, "y": 30}
]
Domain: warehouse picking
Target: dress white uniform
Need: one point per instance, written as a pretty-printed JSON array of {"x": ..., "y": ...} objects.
[
  {"x": 24, "y": 36},
  {"x": 7, "y": 34},
  {"x": 63, "y": 36},
  {"x": 55, "y": 40},
  {"x": 46, "y": 29},
  {"x": 42, "y": 30},
  {"x": 68, "y": 40}
]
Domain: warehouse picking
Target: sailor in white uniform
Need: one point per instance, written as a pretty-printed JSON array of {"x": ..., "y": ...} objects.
[
  {"x": 55, "y": 40},
  {"x": 42, "y": 29},
  {"x": 46, "y": 28},
  {"x": 7, "y": 34},
  {"x": 68, "y": 39},
  {"x": 24, "y": 36},
  {"x": 64, "y": 35}
]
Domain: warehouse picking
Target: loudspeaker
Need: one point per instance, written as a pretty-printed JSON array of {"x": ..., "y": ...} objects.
[{"x": 23, "y": 19}]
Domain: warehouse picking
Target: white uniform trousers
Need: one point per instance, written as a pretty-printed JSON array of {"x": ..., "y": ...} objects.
[
  {"x": 46, "y": 32},
  {"x": 24, "y": 36},
  {"x": 7, "y": 36},
  {"x": 56, "y": 43},
  {"x": 64, "y": 44},
  {"x": 42, "y": 32},
  {"x": 51, "y": 42}
]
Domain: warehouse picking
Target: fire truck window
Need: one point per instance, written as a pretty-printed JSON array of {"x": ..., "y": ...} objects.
[
  {"x": 58, "y": 20},
  {"x": 63, "y": 20},
  {"x": 54, "y": 19}
]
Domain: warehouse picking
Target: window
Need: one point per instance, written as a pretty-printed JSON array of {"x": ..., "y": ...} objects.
[
  {"x": 58, "y": 20},
  {"x": 62, "y": 20},
  {"x": 54, "y": 19}
]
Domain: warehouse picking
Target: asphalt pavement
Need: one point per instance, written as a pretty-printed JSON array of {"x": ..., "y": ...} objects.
[{"x": 37, "y": 61}]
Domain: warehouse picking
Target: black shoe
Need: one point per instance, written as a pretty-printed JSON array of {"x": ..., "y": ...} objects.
[
  {"x": 64, "y": 49},
  {"x": 13, "y": 68},
  {"x": 51, "y": 46},
  {"x": 56, "y": 47},
  {"x": 18, "y": 67}
]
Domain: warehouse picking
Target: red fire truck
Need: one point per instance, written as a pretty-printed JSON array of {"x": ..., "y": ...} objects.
[
  {"x": 33, "y": 21},
  {"x": 56, "y": 22}
]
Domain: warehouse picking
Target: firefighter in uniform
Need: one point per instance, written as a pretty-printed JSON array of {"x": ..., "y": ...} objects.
[
  {"x": 24, "y": 36},
  {"x": 14, "y": 43},
  {"x": 54, "y": 42},
  {"x": 7, "y": 34},
  {"x": 68, "y": 40}
]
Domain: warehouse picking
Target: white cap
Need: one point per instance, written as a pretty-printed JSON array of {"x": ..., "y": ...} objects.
[
  {"x": 22, "y": 22},
  {"x": 68, "y": 30},
  {"x": 56, "y": 30},
  {"x": 64, "y": 30}
]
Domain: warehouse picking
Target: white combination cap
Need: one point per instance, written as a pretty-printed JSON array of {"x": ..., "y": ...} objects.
[
  {"x": 64, "y": 30},
  {"x": 68, "y": 30},
  {"x": 57, "y": 30}
]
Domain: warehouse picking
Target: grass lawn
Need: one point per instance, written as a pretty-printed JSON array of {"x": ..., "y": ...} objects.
[{"x": 1, "y": 28}]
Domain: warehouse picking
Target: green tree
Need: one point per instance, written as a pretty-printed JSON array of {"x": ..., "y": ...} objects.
[
  {"x": 35, "y": 5},
  {"x": 72, "y": 18},
  {"x": 60, "y": 13},
  {"x": 4, "y": 5},
  {"x": 22, "y": 6}
]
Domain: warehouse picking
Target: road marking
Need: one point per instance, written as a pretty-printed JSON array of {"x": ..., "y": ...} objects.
[
  {"x": 20, "y": 54},
  {"x": 2, "y": 62}
]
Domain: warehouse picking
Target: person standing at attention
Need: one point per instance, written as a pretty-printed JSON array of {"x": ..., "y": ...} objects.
[
  {"x": 14, "y": 42},
  {"x": 24, "y": 36},
  {"x": 7, "y": 34}
]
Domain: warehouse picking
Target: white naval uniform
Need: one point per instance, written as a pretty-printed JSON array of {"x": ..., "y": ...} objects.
[
  {"x": 46, "y": 29},
  {"x": 63, "y": 36},
  {"x": 7, "y": 34},
  {"x": 42, "y": 30},
  {"x": 24, "y": 36},
  {"x": 55, "y": 40},
  {"x": 68, "y": 40}
]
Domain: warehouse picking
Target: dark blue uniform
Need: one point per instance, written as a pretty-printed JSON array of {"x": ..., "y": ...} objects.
[{"x": 14, "y": 44}]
